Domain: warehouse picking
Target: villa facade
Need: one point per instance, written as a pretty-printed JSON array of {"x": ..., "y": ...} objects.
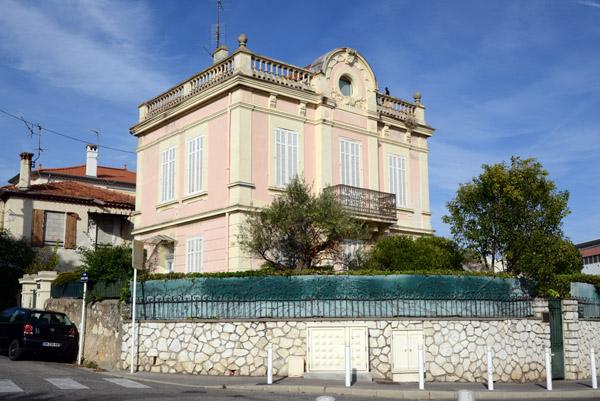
[{"x": 230, "y": 138}]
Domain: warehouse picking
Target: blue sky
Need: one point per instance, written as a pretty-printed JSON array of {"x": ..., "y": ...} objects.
[{"x": 499, "y": 77}]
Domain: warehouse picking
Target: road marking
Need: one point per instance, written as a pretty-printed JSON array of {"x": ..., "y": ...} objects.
[
  {"x": 8, "y": 386},
  {"x": 127, "y": 383},
  {"x": 66, "y": 384}
]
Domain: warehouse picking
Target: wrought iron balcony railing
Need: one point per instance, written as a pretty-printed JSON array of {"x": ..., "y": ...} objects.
[{"x": 366, "y": 201}]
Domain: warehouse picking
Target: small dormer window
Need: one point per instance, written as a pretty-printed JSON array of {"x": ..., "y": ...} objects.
[{"x": 345, "y": 86}]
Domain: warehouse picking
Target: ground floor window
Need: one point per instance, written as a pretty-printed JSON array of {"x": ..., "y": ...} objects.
[{"x": 194, "y": 255}]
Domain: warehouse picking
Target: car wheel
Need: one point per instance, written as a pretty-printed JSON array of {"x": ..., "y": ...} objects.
[{"x": 14, "y": 350}]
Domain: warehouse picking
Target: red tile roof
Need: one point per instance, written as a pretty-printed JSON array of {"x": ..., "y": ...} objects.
[
  {"x": 77, "y": 192},
  {"x": 104, "y": 173}
]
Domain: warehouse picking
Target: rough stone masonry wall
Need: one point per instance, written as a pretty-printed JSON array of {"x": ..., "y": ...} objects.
[
  {"x": 455, "y": 350},
  {"x": 579, "y": 336},
  {"x": 103, "y": 328}
]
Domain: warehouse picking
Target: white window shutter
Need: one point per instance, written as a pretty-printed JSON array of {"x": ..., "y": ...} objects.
[
  {"x": 286, "y": 156},
  {"x": 397, "y": 178},
  {"x": 168, "y": 175},
  {"x": 350, "y": 168},
  {"x": 195, "y": 164},
  {"x": 194, "y": 255}
]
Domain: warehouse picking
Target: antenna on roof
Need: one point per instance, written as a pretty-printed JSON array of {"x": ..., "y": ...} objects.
[
  {"x": 39, "y": 134},
  {"x": 217, "y": 30}
]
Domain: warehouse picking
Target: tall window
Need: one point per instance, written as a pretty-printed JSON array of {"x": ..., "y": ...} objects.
[
  {"x": 286, "y": 156},
  {"x": 397, "y": 177},
  {"x": 350, "y": 163},
  {"x": 194, "y": 255},
  {"x": 168, "y": 175},
  {"x": 195, "y": 165},
  {"x": 352, "y": 249}
]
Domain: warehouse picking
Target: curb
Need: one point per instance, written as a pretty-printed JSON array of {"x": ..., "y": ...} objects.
[{"x": 373, "y": 393}]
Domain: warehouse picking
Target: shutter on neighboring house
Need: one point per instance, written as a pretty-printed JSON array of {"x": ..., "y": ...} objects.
[
  {"x": 71, "y": 231},
  {"x": 37, "y": 228}
]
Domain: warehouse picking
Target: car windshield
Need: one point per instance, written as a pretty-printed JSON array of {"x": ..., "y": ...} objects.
[{"x": 50, "y": 318}]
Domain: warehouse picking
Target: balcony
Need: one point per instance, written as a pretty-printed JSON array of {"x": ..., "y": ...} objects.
[{"x": 366, "y": 202}]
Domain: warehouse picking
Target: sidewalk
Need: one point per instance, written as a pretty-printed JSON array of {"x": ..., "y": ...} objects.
[{"x": 433, "y": 391}]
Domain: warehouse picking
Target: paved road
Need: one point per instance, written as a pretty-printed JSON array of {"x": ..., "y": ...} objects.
[{"x": 33, "y": 380}]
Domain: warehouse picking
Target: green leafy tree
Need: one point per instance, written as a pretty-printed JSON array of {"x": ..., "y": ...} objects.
[
  {"x": 299, "y": 229},
  {"x": 15, "y": 256},
  {"x": 400, "y": 253},
  {"x": 508, "y": 214},
  {"x": 106, "y": 262}
]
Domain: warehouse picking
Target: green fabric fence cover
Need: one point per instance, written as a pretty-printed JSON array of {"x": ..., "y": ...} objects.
[
  {"x": 332, "y": 297},
  {"x": 284, "y": 288}
]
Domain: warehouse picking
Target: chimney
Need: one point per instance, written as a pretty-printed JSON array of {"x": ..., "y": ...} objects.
[
  {"x": 220, "y": 53},
  {"x": 91, "y": 164},
  {"x": 25, "y": 172}
]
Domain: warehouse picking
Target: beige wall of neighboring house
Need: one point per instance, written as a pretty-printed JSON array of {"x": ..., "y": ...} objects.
[{"x": 72, "y": 211}]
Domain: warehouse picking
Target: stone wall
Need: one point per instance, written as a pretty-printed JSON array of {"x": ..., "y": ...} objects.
[
  {"x": 103, "y": 328},
  {"x": 455, "y": 350}
]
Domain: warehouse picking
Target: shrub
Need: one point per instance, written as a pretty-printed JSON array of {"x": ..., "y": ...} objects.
[{"x": 401, "y": 253}]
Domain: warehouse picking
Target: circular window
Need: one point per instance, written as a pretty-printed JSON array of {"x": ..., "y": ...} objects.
[{"x": 345, "y": 86}]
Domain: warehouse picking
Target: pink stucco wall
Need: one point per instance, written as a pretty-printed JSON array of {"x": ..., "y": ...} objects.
[{"x": 260, "y": 155}]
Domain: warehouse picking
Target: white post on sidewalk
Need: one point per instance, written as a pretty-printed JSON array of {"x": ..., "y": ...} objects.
[
  {"x": 421, "y": 368},
  {"x": 548, "y": 370},
  {"x": 270, "y": 364},
  {"x": 490, "y": 369},
  {"x": 82, "y": 331},
  {"x": 593, "y": 368},
  {"x": 348, "y": 365},
  {"x": 133, "y": 318}
]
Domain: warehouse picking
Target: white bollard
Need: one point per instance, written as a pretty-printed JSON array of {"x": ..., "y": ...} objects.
[
  {"x": 421, "y": 369},
  {"x": 348, "y": 365},
  {"x": 490, "y": 369},
  {"x": 593, "y": 369},
  {"x": 548, "y": 370},
  {"x": 270, "y": 364},
  {"x": 465, "y": 395}
]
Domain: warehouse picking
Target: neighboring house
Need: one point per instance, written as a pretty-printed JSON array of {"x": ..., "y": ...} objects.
[
  {"x": 70, "y": 205},
  {"x": 231, "y": 137},
  {"x": 590, "y": 251}
]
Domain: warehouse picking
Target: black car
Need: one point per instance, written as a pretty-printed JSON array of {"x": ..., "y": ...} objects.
[{"x": 39, "y": 332}]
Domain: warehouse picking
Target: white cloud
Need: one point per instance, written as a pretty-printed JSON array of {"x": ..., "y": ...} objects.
[
  {"x": 589, "y": 3},
  {"x": 94, "y": 48}
]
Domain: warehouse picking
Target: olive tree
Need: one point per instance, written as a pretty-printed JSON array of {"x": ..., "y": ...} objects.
[{"x": 299, "y": 229}]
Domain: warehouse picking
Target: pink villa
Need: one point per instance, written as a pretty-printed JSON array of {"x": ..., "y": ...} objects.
[{"x": 230, "y": 138}]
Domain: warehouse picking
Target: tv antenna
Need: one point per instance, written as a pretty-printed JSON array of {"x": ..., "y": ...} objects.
[
  {"x": 218, "y": 31},
  {"x": 30, "y": 127}
]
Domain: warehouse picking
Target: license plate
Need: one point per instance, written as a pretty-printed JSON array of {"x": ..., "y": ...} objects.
[{"x": 47, "y": 344}]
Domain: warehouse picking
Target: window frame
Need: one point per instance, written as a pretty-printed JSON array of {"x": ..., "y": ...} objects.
[
  {"x": 194, "y": 258},
  {"x": 353, "y": 163},
  {"x": 287, "y": 156},
  {"x": 195, "y": 165},
  {"x": 168, "y": 164},
  {"x": 397, "y": 179}
]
